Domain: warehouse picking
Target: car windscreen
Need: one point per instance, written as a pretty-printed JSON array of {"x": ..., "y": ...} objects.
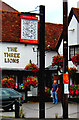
[
  {"x": 13, "y": 92},
  {"x": 3, "y": 92}
]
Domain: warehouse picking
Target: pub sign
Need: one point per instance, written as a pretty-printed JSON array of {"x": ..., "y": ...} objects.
[{"x": 29, "y": 29}]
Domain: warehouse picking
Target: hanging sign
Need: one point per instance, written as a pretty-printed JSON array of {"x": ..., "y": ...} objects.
[
  {"x": 29, "y": 28},
  {"x": 65, "y": 78}
]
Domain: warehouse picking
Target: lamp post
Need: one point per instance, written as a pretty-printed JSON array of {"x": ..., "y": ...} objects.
[
  {"x": 37, "y": 50},
  {"x": 37, "y": 53}
]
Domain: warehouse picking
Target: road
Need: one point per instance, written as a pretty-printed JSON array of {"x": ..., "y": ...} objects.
[{"x": 31, "y": 110}]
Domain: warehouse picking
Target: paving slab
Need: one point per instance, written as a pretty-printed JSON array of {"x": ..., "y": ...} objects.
[
  {"x": 31, "y": 111},
  {"x": 39, "y": 119}
]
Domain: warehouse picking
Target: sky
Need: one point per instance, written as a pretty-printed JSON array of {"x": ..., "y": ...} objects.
[{"x": 53, "y": 8}]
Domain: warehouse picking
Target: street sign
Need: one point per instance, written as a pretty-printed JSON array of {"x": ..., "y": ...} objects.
[
  {"x": 29, "y": 29},
  {"x": 65, "y": 78}
]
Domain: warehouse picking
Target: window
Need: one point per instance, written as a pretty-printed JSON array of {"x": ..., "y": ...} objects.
[{"x": 72, "y": 51}]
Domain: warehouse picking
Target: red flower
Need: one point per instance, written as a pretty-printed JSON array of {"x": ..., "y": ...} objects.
[
  {"x": 75, "y": 59},
  {"x": 32, "y": 67},
  {"x": 74, "y": 90},
  {"x": 77, "y": 92},
  {"x": 8, "y": 83},
  {"x": 30, "y": 81},
  {"x": 72, "y": 71},
  {"x": 57, "y": 60}
]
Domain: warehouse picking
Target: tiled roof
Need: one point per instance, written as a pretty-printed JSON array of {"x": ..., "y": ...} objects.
[
  {"x": 52, "y": 34},
  {"x": 10, "y": 26},
  {"x": 11, "y": 29},
  {"x": 76, "y": 13},
  {"x": 5, "y": 6}
]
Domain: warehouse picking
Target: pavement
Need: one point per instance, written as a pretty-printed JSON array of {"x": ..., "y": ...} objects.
[
  {"x": 31, "y": 112},
  {"x": 39, "y": 119}
]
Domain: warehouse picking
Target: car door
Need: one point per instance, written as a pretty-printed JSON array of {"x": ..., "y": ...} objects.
[
  {"x": 13, "y": 94},
  {"x": 5, "y": 97}
]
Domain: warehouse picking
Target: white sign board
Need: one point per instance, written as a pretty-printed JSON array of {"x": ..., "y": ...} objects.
[
  {"x": 29, "y": 29},
  {"x": 66, "y": 89}
]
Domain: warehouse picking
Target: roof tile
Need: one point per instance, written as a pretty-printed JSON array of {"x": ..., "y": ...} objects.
[{"x": 76, "y": 13}]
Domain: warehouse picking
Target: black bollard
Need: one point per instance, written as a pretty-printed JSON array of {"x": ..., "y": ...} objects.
[{"x": 16, "y": 108}]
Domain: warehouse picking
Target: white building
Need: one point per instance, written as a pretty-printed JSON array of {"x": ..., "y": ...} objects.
[
  {"x": 73, "y": 37},
  {"x": 15, "y": 55}
]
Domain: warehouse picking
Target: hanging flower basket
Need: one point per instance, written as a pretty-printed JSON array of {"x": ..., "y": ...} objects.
[
  {"x": 58, "y": 61},
  {"x": 73, "y": 91},
  {"x": 32, "y": 67},
  {"x": 75, "y": 59},
  {"x": 8, "y": 83},
  {"x": 72, "y": 71},
  {"x": 30, "y": 81}
]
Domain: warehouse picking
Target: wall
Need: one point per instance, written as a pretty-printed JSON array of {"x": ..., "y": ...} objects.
[
  {"x": 60, "y": 50},
  {"x": 72, "y": 32},
  {"x": 73, "y": 38},
  {"x": 48, "y": 58},
  {"x": 77, "y": 32},
  {"x": 19, "y": 55}
]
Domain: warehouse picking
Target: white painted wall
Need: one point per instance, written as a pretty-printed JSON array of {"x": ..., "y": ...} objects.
[
  {"x": 72, "y": 34},
  {"x": 48, "y": 57},
  {"x": 73, "y": 38},
  {"x": 77, "y": 32},
  {"x": 25, "y": 54},
  {"x": 60, "y": 50},
  {"x": 78, "y": 4}
]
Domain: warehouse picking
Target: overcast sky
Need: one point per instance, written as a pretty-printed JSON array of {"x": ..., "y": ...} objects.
[{"x": 53, "y": 8}]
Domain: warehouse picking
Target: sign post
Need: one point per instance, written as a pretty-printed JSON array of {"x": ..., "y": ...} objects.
[
  {"x": 29, "y": 35},
  {"x": 42, "y": 63},
  {"x": 65, "y": 59}
]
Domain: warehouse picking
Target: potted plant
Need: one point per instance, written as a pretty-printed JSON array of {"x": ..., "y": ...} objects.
[
  {"x": 47, "y": 96},
  {"x": 74, "y": 91},
  {"x": 8, "y": 82},
  {"x": 30, "y": 80},
  {"x": 58, "y": 61},
  {"x": 32, "y": 67},
  {"x": 72, "y": 73},
  {"x": 47, "y": 91}
]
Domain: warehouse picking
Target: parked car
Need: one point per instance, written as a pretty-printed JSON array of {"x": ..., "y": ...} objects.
[{"x": 8, "y": 96}]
